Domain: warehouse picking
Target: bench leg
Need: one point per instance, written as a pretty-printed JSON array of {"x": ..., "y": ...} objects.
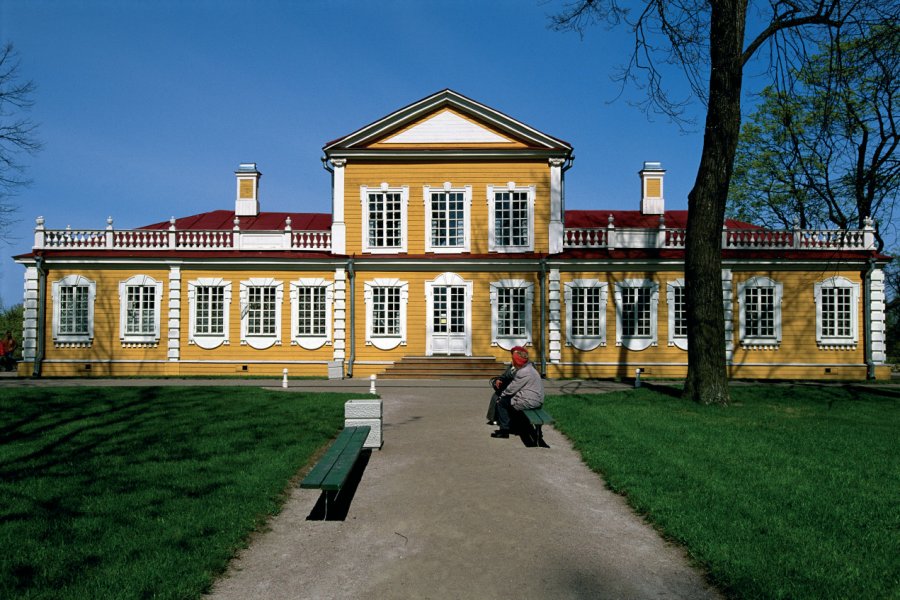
[{"x": 539, "y": 438}]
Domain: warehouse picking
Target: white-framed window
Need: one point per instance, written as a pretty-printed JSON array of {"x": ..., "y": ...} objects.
[
  {"x": 140, "y": 297},
  {"x": 636, "y": 311},
  {"x": 209, "y": 300},
  {"x": 261, "y": 300},
  {"x": 384, "y": 223},
  {"x": 837, "y": 313},
  {"x": 447, "y": 218},
  {"x": 386, "y": 301},
  {"x": 510, "y": 218},
  {"x": 585, "y": 313},
  {"x": 759, "y": 303},
  {"x": 677, "y": 309},
  {"x": 73, "y": 310},
  {"x": 311, "y": 303},
  {"x": 511, "y": 307}
]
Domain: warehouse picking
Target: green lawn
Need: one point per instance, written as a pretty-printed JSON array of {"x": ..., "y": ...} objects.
[
  {"x": 792, "y": 492},
  {"x": 144, "y": 492}
]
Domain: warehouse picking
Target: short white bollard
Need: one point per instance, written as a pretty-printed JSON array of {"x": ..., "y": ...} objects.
[
  {"x": 637, "y": 378},
  {"x": 372, "y": 379},
  {"x": 284, "y": 378}
]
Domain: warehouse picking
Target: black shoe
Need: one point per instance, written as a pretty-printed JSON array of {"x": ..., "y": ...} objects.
[{"x": 501, "y": 433}]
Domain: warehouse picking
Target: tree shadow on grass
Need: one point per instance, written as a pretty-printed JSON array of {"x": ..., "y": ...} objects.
[{"x": 337, "y": 506}]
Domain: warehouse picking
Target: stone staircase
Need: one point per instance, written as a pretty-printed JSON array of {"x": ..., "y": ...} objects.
[{"x": 444, "y": 367}]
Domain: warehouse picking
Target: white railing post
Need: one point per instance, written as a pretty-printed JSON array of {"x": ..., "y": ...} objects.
[
  {"x": 109, "y": 232},
  {"x": 39, "y": 232},
  {"x": 798, "y": 235},
  {"x": 287, "y": 233},
  {"x": 724, "y": 237},
  {"x": 661, "y": 234},
  {"x": 172, "y": 236},
  {"x": 869, "y": 242},
  {"x": 237, "y": 233},
  {"x": 611, "y": 234}
]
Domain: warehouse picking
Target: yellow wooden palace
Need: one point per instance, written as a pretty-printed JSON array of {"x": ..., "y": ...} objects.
[{"x": 448, "y": 237}]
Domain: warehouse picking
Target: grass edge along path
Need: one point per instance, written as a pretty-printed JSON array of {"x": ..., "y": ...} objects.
[
  {"x": 791, "y": 492},
  {"x": 144, "y": 492}
]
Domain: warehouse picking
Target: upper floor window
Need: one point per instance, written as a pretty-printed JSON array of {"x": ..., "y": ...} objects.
[
  {"x": 73, "y": 310},
  {"x": 261, "y": 300},
  {"x": 511, "y": 308},
  {"x": 837, "y": 313},
  {"x": 511, "y": 218},
  {"x": 759, "y": 299},
  {"x": 386, "y": 301},
  {"x": 585, "y": 313},
  {"x": 447, "y": 218},
  {"x": 139, "y": 310},
  {"x": 311, "y": 302},
  {"x": 384, "y": 218},
  {"x": 677, "y": 308},
  {"x": 210, "y": 301},
  {"x": 636, "y": 310}
]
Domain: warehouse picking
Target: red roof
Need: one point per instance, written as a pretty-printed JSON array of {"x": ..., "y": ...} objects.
[
  {"x": 634, "y": 219},
  {"x": 267, "y": 221}
]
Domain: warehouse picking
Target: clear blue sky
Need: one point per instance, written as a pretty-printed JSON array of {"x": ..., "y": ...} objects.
[{"x": 146, "y": 108}]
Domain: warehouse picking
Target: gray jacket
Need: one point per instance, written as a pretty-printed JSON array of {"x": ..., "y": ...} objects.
[{"x": 526, "y": 390}]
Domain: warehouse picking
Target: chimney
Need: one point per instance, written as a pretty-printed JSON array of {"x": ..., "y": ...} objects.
[
  {"x": 652, "y": 200},
  {"x": 247, "y": 202}
]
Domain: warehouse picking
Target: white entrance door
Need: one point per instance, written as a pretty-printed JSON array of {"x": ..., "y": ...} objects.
[{"x": 449, "y": 320}]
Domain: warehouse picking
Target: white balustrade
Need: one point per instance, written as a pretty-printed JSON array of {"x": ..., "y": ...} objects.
[{"x": 732, "y": 239}]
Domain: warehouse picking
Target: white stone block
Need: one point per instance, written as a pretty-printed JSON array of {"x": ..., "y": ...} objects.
[
  {"x": 362, "y": 409},
  {"x": 374, "y": 440}
]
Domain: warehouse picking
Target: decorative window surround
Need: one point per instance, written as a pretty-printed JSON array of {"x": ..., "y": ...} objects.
[
  {"x": 140, "y": 301},
  {"x": 760, "y": 290},
  {"x": 317, "y": 334},
  {"x": 677, "y": 310},
  {"x": 215, "y": 332},
  {"x": 430, "y": 194},
  {"x": 261, "y": 341},
  {"x": 837, "y": 300},
  {"x": 523, "y": 338},
  {"x": 73, "y": 324},
  {"x": 642, "y": 341},
  {"x": 497, "y": 192},
  {"x": 395, "y": 232},
  {"x": 392, "y": 340},
  {"x": 573, "y": 310}
]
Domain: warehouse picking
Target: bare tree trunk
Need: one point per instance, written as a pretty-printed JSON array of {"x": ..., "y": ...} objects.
[{"x": 707, "y": 378}]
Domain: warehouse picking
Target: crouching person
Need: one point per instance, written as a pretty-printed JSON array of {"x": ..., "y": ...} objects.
[{"x": 526, "y": 390}]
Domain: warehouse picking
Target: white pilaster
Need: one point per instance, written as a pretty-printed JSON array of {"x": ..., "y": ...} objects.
[
  {"x": 877, "y": 318},
  {"x": 340, "y": 314},
  {"x": 556, "y": 206},
  {"x": 338, "y": 226},
  {"x": 728, "y": 308},
  {"x": 174, "y": 342},
  {"x": 30, "y": 316},
  {"x": 555, "y": 322}
]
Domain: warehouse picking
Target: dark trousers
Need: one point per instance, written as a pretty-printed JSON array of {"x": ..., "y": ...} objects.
[
  {"x": 503, "y": 412},
  {"x": 492, "y": 408}
]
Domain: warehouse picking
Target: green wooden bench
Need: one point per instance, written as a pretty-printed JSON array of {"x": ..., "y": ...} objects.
[
  {"x": 330, "y": 473},
  {"x": 538, "y": 417}
]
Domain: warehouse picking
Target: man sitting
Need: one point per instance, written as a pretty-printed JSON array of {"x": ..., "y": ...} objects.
[{"x": 526, "y": 390}]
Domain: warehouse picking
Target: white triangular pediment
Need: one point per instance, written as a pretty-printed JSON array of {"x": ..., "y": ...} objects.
[{"x": 446, "y": 128}]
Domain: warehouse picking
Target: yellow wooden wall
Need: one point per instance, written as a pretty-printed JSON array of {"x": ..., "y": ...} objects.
[
  {"x": 416, "y": 175},
  {"x": 797, "y": 357}
]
